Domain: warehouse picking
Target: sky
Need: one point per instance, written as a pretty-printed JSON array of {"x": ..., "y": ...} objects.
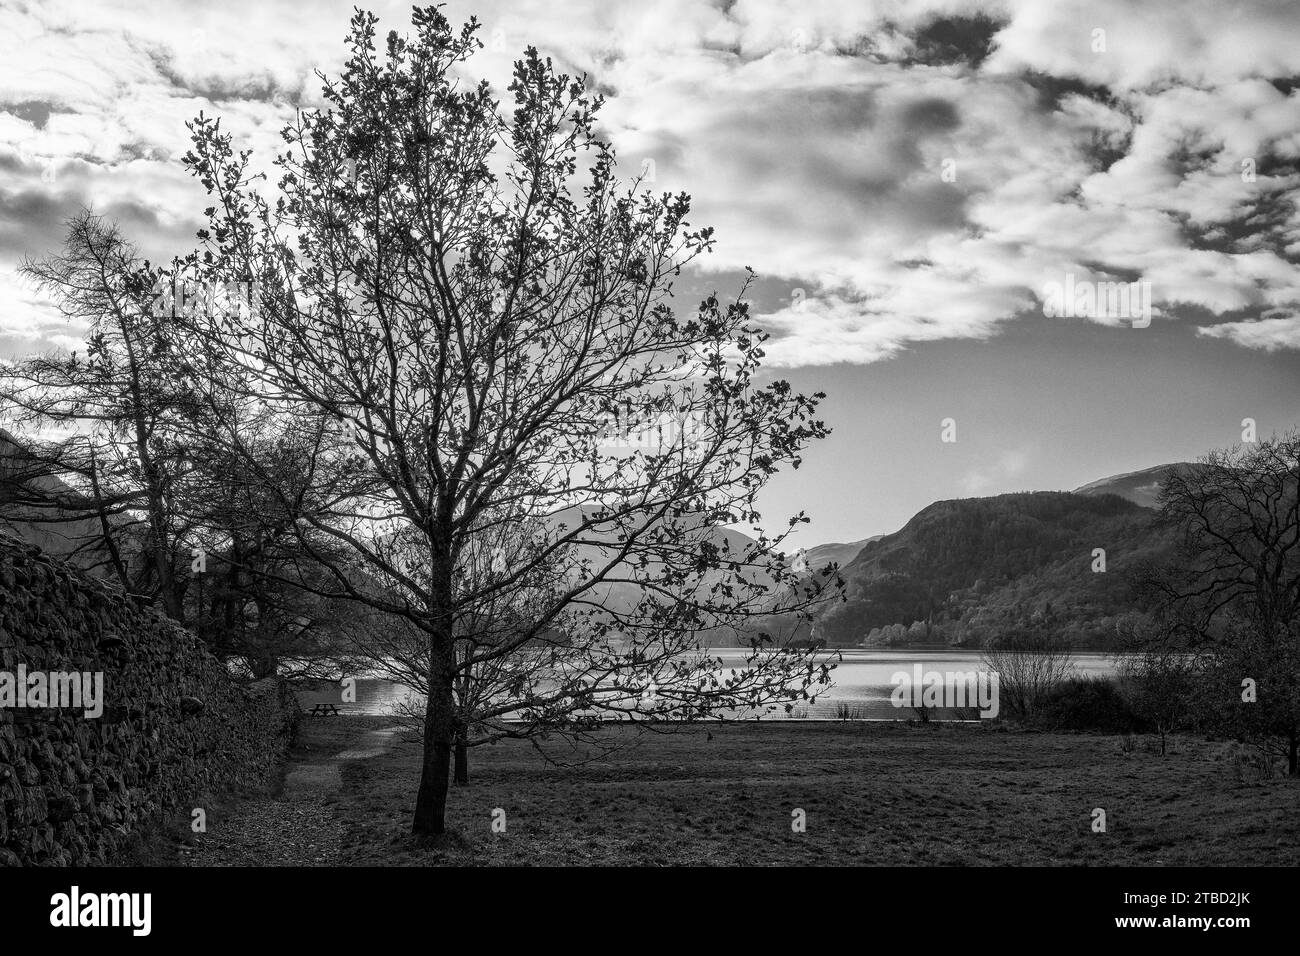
[{"x": 913, "y": 183}]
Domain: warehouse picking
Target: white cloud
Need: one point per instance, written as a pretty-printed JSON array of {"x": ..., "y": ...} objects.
[
  {"x": 819, "y": 168},
  {"x": 1008, "y": 464},
  {"x": 1197, "y": 42},
  {"x": 1270, "y": 333}
]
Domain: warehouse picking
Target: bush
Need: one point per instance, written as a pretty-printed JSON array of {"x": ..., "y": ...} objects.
[
  {"x": 1249, "y": 764},
  {"x": 1087, "y": 703},
  {"x": 1030, "y": 665}
]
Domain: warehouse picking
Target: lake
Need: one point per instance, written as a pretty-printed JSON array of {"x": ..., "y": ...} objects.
[{"x": 861, "y": 681}]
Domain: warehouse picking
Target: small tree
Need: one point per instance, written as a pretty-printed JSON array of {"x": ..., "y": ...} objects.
[
  {"x": 1029, "y": 664},
  {"x": 495, "y": 696},
  {"x": 1161, "y": 685},
  {"x": 257, "y": 604},
  {"x": 1257, "y": 674}
]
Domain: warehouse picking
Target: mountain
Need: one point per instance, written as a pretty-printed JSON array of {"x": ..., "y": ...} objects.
[
  {"x": 959, "y": 572},
  {"x": 1140, "y": 487},
  {"x": 841, "y": 554},
  {"x": 962, "y": 571},
  {"x": 600, "y": 545}
]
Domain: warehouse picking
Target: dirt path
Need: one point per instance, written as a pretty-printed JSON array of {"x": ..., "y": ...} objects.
[{"x": 299, "y": 826}]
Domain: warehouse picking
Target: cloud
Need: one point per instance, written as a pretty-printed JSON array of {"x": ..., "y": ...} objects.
[
  {"x": 1199, "y": 43},
  {"x": 1008, "y": 464},
  {"x": 920, "y": 170},
  {"x": 1269, "y": 334}
]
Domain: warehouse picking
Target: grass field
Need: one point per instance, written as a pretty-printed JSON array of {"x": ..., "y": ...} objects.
[{"x": 873, "y": 794}]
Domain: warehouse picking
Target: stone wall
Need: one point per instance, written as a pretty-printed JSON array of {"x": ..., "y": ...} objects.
[{"x": 175, "y": 728}]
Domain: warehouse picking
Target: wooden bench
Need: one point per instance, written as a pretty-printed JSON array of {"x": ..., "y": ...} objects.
[{"x": 322, "y": 710}]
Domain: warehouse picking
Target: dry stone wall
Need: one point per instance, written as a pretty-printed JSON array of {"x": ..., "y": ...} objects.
[{"x": 174, "y": 726}]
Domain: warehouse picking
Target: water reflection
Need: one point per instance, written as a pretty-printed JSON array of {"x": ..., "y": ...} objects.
[{"x": 860, "y": 683}]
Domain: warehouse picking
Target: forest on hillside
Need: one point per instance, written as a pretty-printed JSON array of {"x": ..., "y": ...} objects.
[{"x": 964, "y": 572}]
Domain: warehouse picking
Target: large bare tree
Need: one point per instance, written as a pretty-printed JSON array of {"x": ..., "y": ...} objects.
[{"x": 470, "y": 297}]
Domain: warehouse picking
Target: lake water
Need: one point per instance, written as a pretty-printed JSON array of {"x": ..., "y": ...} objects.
[{"x": 861, "y": 681}]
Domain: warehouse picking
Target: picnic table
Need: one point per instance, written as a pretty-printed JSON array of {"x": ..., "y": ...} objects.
[{"x": 322, "y": 710}]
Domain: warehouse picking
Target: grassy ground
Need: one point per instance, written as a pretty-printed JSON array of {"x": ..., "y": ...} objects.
[{"x": 872, "y": 793}]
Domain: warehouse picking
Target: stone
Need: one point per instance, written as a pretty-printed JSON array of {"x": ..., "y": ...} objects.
[
  {"x": 62, "y": 808},
  {"x": 72, "y": 789}
]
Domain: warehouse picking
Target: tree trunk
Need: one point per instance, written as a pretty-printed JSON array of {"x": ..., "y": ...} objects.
[
  {"x": 462, "y": 755},
  {"x": 435, "y": 773}
]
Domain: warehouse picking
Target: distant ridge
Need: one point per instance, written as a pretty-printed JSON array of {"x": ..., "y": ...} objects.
[
  {"x": 1140, "y": 487},
  {"x": 840, "y": 553}
]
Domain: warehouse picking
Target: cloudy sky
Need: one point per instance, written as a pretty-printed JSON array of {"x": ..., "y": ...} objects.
[{"x": 907, "y": 178}]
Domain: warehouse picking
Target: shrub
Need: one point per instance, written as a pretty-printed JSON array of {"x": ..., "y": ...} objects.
[
  {"x": 1030, "y": 665},
  {"x": 1087, "y": 703},
  {"x": 1247, "y": 763}
]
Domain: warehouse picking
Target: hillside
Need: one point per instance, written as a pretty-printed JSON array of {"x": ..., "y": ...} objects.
[
  {"x": 623, "y": 596},
  {"x": 1140, "y": 487},
  {"x": 958, "y": 573},
  {"x": 962, "y": 571}
]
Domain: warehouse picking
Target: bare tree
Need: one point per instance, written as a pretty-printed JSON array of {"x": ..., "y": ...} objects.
[
  {"x": 106, "y": 415},
  {"x": 1234, "y": 588},
  {"x": 1161, "y": 684},
  {"x": 1029, "y": 664},
  {"x": 495, "y": 696},
  {"x": 115, "y": 460},
  {"x": 472, "y": 296},
  {"x": 257, "y": 604},
  {"x": 1237, "y": 515}
]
